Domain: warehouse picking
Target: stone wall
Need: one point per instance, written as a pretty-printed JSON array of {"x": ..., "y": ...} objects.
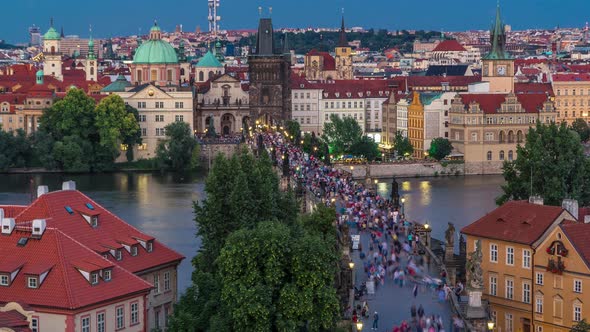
[
  {"x": 486, "y": 168},
  {"x": 389, "y": 170}
]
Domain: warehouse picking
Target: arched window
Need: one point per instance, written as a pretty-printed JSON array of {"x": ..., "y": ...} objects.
[
  {"x": 52, "y": 49},
  {"x": 169, "y": 76},
  {"x": 519, "y": 137},
  {"x": 201, "y": 76},
  {"x": 91, "y": 70},
  {"x": 474, "y": 137},
  {"x": 154, "y": 75},
  {"x": 139, "y": 78},
  {"x": 502, "y": 137},
  {"x": 510, "y": 155},
  {"x": 489, "y": 155},
  {"x": 210, "y": 74},
  {"x": 182, "y": 71},
  {"x": 510, "y": 136},
  {"x": 501, "y": 154}
]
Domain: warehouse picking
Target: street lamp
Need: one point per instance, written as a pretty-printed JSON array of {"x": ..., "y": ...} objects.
[
  {"x": 491, "y": 325},
  {"x": 359, "y": 325},
  {"x": 426, "y": 226},
  {"x": 351, "y": 168},
  {"x": 351, "y": 265},
  {"x": 403, "y": 201}
]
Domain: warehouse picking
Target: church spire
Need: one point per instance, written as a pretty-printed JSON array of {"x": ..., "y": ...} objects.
[
  {"x": 342, "y": 41},
  {"x": 498, "y": 39},
  {"x": 91, "y": 55}
]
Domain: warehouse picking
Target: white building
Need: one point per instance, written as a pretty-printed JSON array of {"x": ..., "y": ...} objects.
[
  {"x": 436, "y": 117},
  {"x": 305, "y": 100}
]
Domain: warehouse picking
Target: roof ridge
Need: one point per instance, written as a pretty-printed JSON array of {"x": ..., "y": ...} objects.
[{"x": 64, "y": 265}]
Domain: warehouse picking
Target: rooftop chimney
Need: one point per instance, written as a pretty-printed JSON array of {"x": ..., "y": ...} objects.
[
  {"x": 7, "y": 225},
  {"x": 536, "y": 200},
  {"x": 571, "y": 205},
  {"x": 68, "y": 185},
  {"x": 42, "y": 190},
  {"x": 39, "y": 226}
]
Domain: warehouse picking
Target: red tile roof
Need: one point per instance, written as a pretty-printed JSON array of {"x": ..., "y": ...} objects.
[
  {"x": 534, "y": 88},
  {"x": 64, "y": 286},
  {"x": 110, "y": 232},
  {"x": 11, "y": 211},
  {"x": 578, "y": 234},
  {"x": 515, "y": 221},
  {"x": 571, "y": 77},
  {"x": 491, "y": 102},
  {"x": 450, "y": 45},
  {"x": 14, "y": 320},
  {"x": 329, "y": 62}
]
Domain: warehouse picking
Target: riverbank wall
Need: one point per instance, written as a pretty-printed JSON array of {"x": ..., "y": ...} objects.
[{"x": 402, "y": 170}]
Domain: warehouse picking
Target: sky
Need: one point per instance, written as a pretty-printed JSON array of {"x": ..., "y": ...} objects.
[{"x": 127, "y": 17}]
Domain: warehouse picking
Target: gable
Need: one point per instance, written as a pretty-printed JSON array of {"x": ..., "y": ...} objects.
[
  {"x": 150, "y": 92},
  {"x": 226, "y": 78}
]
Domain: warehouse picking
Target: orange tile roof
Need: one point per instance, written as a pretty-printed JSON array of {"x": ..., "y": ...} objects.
[{"x": 515, "y": 221}]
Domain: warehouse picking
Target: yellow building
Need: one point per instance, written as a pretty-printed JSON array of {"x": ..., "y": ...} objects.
[
  {"x": 511, "y": 237},
  {"x": 416, "y": 125},
  {"x": 572, "y": 96},
  {"x": 562, "y": 274}
]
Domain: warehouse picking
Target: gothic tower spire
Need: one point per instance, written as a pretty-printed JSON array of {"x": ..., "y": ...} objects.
[
  {"x": 498, "y": 38},
  {"x": 342, "y": 42}
]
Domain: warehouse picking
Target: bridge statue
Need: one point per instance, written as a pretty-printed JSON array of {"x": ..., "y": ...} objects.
[{"x": 395, "y": 194}]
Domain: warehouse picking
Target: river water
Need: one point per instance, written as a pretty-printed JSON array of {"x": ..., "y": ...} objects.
[{"x": 161, "y": 204}]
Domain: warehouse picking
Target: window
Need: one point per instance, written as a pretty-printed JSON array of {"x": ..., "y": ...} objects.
[
  {"x": 141, "y": 104},
  {"x": 509, "y": 256},
  {"x": 100, "y": 324},
  {"x": 509, "y": 289},
  {"x": 539, "y": 305},
  {"x": 539, "y": 278},
  {"x": 526, "y": 258},
  {"x": 493, "y": 285},
  {"x": 489, "y": 136},
  {"x": 133, "y": 250},
  {"x": 32, "y": 282},
  {"x": 35, "y": 324},
  {"x": 557, "y": 307},
  {"x": 150, "y": 246},
  {"x": 159, "y": 104},
  {"x": 143, "y": 131},
  {"x": 107, "y": 275},
  {"x": 179, "y": 104},
  {"x": 509, "y": 323},
  {"x": 474, "y": 137},
  {"x": 510, "y": 155},
  {"x": 577, "y": 285},
  {"x": 166, "y": 313},
  {"x": 94, "y": 278},
  {"x": 502, "y": 155},
  {"x": 489, "y": 155},
  {"x": 166, "y": 281},
  {"x": 85, "y": 324},
  {"x": 577, "y": 312},
  {"x": 134, "y": 313},
  {"x": 118, "y": 254},
  {"x": 160, "y": 132},
  {"x": 494, "y": 253},
  {"x": 179, "y": 118},
  {"x": 157, "y": 318},
  {"x": 159, "y": 118},
  {"x": 120, "y": 317},
  {"x": 4, "y": 280},
  {"x": 156, "y": 283},
  {"x": 142, "y": 118},
  {"x": 526, "y": 292}
]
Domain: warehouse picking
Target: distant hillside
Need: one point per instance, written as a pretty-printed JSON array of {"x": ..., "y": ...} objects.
[{"x": 5, "y": 46}]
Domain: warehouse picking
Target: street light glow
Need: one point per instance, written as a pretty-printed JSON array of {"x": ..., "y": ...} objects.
[{"x": 351, "y": 265}]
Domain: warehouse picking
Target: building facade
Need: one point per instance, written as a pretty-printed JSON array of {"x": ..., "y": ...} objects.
[
  {"x": 306, "y": 100},
  {"x": 498, "y": 65},
  {"x": 572, "y": 97},
  {"x": 416, "y": 125}
]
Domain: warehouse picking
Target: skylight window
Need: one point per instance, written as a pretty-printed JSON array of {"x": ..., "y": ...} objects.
[
  {"x": 22, "y": 241},
  {"x": 69, "y": 209},
  {"x": 89, "y": 206}
]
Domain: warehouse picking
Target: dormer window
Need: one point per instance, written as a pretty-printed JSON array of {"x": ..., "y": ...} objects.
[
  {"x": 94, "y": 278},
  {"x": 133, "y": 250},
  {"x": 107, "y": 275},
  {"x": 32, "y": 282},
  {"x": 4, "y": 280},
  {"x": 94, "y": 221},
  {"x": 150, "y": 246},
  {"x": 119, "y": 255}
]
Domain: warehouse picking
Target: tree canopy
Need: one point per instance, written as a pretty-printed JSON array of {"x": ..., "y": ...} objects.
[
  {"x": 16, "y": 149},
  {"x": 253, "y": 271},
  {"x": 581, "y": 127},
  {"x": 345, "y": 136},
  {"x": 176, "y": 151},
  {"x": 402, "y": 145},
  {"x": 551, "y": 164},
  {"x": 581, "y": 326},
  {"x": 440, "y": 148},
  {"x": 365, "y": 147}
]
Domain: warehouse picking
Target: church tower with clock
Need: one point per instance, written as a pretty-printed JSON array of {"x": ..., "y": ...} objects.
[
  {"x": 343, "y": 56},
  {"x": 498, "y": 65}
]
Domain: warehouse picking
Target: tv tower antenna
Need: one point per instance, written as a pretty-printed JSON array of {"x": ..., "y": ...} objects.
[{"x": 213, "y": 18}]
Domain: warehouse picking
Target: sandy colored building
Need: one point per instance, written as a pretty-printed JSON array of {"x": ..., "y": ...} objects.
[
  {"x": 512, "y": 238},
  {"x": 572, "y": 97}
]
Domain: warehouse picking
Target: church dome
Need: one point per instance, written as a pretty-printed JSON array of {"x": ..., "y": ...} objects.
[
  {"x": 209, "y": 61},
  {"x": 51, "y": 34},
  {"x": 155, "y": 50}
]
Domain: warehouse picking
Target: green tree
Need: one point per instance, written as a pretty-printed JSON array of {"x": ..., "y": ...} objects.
[
  {"x": 440, "y": 148},
  {"x": 116, "y": 124},
  {"x": 341, "y": 134},
  {"x": 294, "y": 130},
  {"x": 176, "y": 151},
  {"x": 132, "y": 138},
  {"x": 581, "y": 127},
  {"x": 402, "y": 145},
  {"x": 581, "y": 326},
  {"x": 16, "y": 149},
  {"x": 550, "y": 164},
  {"x": 366, "y": 147}
]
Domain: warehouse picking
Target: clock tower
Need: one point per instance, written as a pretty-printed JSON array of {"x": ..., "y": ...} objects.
[
  {"x": 498, "y": 65},
  {"x": 343, "y": 56},
  {"x": 91, "y": 63}
]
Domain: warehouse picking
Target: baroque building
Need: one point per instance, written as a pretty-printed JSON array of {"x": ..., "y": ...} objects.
[
  {"x": 269, "y": 71},
  {"x": 498, "y": 65},
  {"x": 52, "y": 53}
]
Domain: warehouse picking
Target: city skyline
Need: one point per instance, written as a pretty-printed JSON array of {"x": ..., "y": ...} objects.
[{"x": 447, "y": 16}]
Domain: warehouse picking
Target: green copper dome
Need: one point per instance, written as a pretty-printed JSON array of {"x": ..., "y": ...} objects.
[
  {"x": 51, "y": 34},
  {"x": 209, "y": 61},
  {"x": 155, "y": 51},
  {"x": 155, "y": 27}
]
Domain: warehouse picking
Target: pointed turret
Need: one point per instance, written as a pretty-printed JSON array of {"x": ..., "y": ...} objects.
[
  {"x": 342, "y": 41},
  {"x": 265, "y": 43},
  {"x": 498, "y": 39},
  {"x": 62, "y": 32},
  {"x": 286, "y": 46},
  {"x": 91, "y": 55}
]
